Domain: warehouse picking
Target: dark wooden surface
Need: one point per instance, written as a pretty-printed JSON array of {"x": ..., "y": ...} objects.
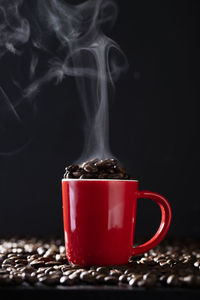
[{"x": 97, "y": 292}]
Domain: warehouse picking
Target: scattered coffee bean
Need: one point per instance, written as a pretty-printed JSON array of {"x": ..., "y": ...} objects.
[
  {"x": 64, "y": 280},
  {"x": 100, "y": 278},
  {"x": 86, "y": 277},
  {"x": 102, "y": 270},
  {"x": 171, "y": 264},
  {"x": 50, "y": 280},
  {"x": 123, "y": 278},
  {"x": 110, "y": 280}
]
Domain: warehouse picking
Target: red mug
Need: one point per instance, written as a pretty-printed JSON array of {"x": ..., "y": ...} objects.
[{"x": 99, "y": 220}]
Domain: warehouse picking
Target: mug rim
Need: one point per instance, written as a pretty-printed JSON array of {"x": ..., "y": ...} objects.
[{"x": 97, "y": 179}]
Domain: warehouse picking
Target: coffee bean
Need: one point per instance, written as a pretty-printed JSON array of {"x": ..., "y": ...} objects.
[
  {"x": 16, "y": 278},
  {"x": 171, "y": 263},
  {"x": 72, "y": 168},
  {"x": 86, "y": 277},
  {"x": 32, "y": 257},
  {"x": 86, "y": 176},
  {"x": 107, "y": 163},
  {"x": 188, "y": 280},
  {"x": 51, "y": 251},
  {"x": 68, "y": 272},
  {"x": 30, "y": 278},
  {"x": 5, "y": 279},
  {"x": 21, "y": 261},
  {"x": 37, "y": 263},
  {"x": 110, "y": 280},
  {"x": 8, "y": 262},
  {"x": 12, "y": 256},
  {"x": 115, "y": 273},
  {"x": 135, "y": 279},
  {"x": 74, "y": 276},
  {"x": 101, "y": 169},
  {"x": 197, "y": 263},
  {"x": 64, "y": 280},
  {"x": 90, "y": 168},
  {"x": 103, "y": 176},
  {"x": 123, "y": 278},
  {"x": 50, "y": 280},
  {"x": 100, "y": 278},
  {"x": 19, "y": 266},
  {"x": 3, "y": 272},
  {"x": 27, "y": 269},
  {"x": 120, "y": 169},
  {"x": 172, "y": 280},
  {"x": 77, "y": 174},
  {"x": 52, "y": 263},
  {"x": 103, "y": 270}
]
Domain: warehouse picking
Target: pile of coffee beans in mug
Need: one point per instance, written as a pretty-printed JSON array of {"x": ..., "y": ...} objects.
[
  {"x": 97, "y": 169},
  {"x": 43, "y": 262}
]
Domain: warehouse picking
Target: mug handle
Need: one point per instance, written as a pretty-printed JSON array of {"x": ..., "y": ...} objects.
[{"x": 164, "y": 224}]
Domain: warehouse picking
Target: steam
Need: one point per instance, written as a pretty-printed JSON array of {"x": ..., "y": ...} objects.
[
  {"x": 14, "y": 29},
  {"x": 84, "y": 52}
]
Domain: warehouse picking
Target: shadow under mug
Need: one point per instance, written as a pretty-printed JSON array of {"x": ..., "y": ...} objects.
[{"x": 99, "y": 220}]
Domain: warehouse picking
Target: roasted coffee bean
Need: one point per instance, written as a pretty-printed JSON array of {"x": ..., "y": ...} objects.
[
  {"x": 116, "y": 176},
  {"x": 77, "y": 174},
  {"x": 86, "y": 277},
  {"x": 12, "y": 256},
  {"x": 65, "y": 280},
  {"x": 101, "y": 169},
  {"x": 68, "y": 175},
  {"x": 86, "y": 176},
  {"x": 68, "y": 272},
  {"x": 119, "y": 169},
  {"x": 135, "y": 279},
  {"x": 103, "y": 270},
  {"x": 188, "y": 280},
  {"x": 110, "y": 280},
  {"x": 37, "y": 263},
  {"x": 19, "y": 266},
  {"x": 171, "y": 263},
  {"x": 90, "y": 168},
  {"x": 61, "y": 258},
  {"x": 32, "y": 257},
  {"x": 74, "y": 277},
  {"x": 51, "y": 251},
  {"x": 123, "y": 278},
  {"x": 50, "y": 280},
  {"x": 103, "y": 176},
  {"x": 8, "y": 262},
  {"x": 21, "y": 261},
  {"x": 115, "y": 273},
  {"x": 27, "y": 269},
  {"x": 197, "y": 263},
  {"x": 172, "y": 280},
  {"x": 5, "y": 279},
  {"x": 16, "y": 279},
  {"x": 17, "y": 250},
  {"x": 72, "y": 168},
  {"x": 30, "y": 278},
  {"x": 52, "y": 263},
  {"x": 91, "y": 161},
  {"x": 150, "y": 279},
  {"x": 3, "y": 272},
  {"x": 100, "y": 278}
]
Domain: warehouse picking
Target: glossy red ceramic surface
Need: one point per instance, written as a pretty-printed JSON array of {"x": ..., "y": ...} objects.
[{"x": 99, "y": 220}]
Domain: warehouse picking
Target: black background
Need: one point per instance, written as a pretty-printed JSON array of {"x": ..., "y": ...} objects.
[{"x": 153, "y": 125}]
